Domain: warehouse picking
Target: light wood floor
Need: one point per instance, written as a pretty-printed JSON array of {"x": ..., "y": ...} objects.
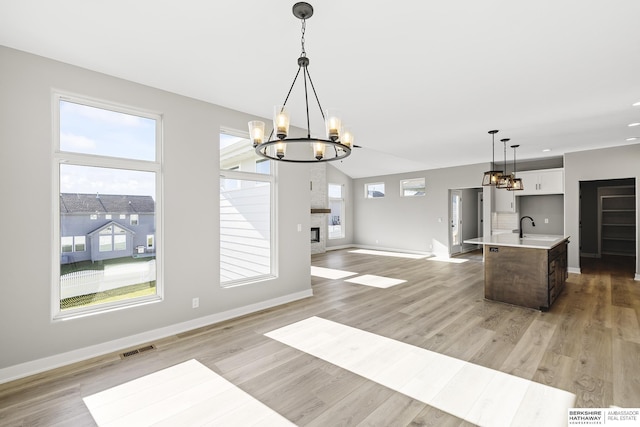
[{"x": 587, "y": 344}]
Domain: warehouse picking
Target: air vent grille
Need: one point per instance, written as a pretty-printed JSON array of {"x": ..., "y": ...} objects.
[{"x": 137, "y": 351}]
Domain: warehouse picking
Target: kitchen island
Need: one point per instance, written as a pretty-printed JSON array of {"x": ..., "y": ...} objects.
[{"x": 529, "y": 271}]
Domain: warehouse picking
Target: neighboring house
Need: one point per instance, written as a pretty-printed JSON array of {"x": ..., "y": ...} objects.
[{"x": 104, "y": 226}]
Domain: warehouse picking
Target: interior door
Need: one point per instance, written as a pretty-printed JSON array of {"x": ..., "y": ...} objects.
[{"x": 455, "y": 222}]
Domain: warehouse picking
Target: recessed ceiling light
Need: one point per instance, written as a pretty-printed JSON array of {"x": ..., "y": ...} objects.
[
  {"x": 546, "y": 150},
  {"x": 634, "y": 124},
  {"x": 633, "y": 138},
  {"x": 637, "y": 104}
]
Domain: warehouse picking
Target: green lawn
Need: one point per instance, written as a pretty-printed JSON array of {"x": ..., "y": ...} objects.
[{"x": 126, "y": 292}]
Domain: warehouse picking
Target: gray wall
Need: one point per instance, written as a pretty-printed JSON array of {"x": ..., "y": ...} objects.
[
  {"x": 550, "y": 206},
  {"x": 418, "y": 224},
  {"x": 191, "y": 182},
  {"x": 611, "y": 163}
]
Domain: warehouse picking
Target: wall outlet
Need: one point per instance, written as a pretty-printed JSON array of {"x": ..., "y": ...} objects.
[
  {"x": 299, "y": 227},
  {"x": 195, "y": 303},
  {"x": 546, "y": 220}
]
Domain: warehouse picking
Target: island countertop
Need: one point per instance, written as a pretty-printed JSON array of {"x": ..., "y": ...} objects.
[{"x": 534, "y": 241}]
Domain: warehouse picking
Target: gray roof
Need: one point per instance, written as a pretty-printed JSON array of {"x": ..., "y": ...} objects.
[{"x": 105, "y": 203}]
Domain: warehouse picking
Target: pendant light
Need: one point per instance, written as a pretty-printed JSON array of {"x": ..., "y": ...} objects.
[
  {"x": 493, "y": 176},
  {"x": 338, "y": 141},
  {"x": 515, "y": 184},
  {"x": 505, "y": 178}
]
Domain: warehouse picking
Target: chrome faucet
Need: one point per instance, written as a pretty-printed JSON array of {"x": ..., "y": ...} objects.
[{"x": 532, "y": 223}]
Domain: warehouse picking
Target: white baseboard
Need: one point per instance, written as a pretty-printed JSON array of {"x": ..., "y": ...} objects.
[
  {"x": 388, "y": 249},
  {"x": 637, "y": 276},
  {"x": 575, "y": 270},
  {"x": 51, "y": 362}
]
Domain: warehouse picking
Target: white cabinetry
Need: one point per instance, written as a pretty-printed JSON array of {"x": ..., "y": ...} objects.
[
  {"x": 546, "y": 181},
  {"x": 504, "y": 201}
]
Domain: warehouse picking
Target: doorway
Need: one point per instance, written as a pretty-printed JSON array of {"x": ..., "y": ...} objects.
[
  {"x": 607, "y": 221},
  {"x": 465, "y": 218},
  {"x": 455, "y": 222}
]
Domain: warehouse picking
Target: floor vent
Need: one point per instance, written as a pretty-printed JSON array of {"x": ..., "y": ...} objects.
[{"x": 137, "y": 351}]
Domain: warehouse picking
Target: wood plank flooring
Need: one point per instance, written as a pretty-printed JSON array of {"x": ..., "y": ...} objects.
[{"x": 587, "y": 344}]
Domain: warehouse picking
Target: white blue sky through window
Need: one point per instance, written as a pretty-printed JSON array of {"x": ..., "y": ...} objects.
[{"x": 98, "y": 131}]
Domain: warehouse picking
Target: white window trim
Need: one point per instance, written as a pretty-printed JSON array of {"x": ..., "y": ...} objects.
[
  {"x": 402, "y": 181},
  {"x": 254, "y": 176},
  {"x": 62, "y": 157},
  {"x": 342, "y": 211},
  {"x": 366, "y": 190}
]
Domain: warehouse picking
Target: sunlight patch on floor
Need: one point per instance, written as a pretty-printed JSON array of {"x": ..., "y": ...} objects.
[
  {"x": 375, "y": 281},
  {"x": 330, "y": 273},
  {"x": 384, "y": 253},
  {"x": 186, "y": 394},
  {"x": 450, "y": 260},
  {"x": 474, "y": 393}
]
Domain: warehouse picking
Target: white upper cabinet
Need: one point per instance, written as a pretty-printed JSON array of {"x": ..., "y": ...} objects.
[
  {"x": 546, "y": 181},
  {"x": 504, "y": 201}
]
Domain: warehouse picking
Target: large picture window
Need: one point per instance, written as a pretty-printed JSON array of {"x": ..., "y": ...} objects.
[
  {"x": 107, "y": 174},
  {"x": 246, "y": 212}
]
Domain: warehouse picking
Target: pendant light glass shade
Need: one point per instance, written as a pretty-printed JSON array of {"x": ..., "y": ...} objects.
[
  {"x": 493, "y": 176},
  {"x": 505, "y": 179},
  {"x": 515, "y": 184}
]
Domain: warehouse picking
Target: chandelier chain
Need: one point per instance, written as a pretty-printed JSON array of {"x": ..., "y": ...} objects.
[{"x": 302, "y": 30}]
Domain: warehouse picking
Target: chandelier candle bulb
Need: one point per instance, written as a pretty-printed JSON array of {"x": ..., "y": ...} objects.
[
  {"x": 281, "y": 122},
  {"x": 256, "y": 131},
  {"x": 347, "y": 138},
  {"x": 281, "y": 148},
  {"x": 333, "y": 125},
  {"x": 318, "y": 149}
]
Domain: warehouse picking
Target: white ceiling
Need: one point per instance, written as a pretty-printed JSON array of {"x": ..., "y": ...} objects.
[{"x": 420, "y": 82}]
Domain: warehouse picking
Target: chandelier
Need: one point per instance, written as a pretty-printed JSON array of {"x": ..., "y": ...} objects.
[
  {"x": 493, "y": 176},
  {"x": 515, "y": 184},
  {"x": 505, "y": 179},
  {"x": 338, "y": 141}
]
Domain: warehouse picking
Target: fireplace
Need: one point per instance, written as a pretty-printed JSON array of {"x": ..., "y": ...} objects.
[{"x": 315, "y": 234}]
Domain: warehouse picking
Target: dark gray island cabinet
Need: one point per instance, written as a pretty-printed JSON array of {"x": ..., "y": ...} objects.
[{"x": 529, "y": 272}]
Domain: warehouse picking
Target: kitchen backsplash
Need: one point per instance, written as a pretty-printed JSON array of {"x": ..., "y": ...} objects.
[{"x": 504, "y": 221}]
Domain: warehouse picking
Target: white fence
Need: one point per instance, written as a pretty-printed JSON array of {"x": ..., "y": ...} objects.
[{"x": 112, "y": 277}]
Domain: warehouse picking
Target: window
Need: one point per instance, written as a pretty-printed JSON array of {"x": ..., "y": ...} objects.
[
  {"x": 79, "y": 243},
  {"x": 374, "y": 190},
  {"x": 336, "y": 217},
  {"x": 412, "y": 187},
  {"x": 72, "y": 244},
  {"x": 246, "y": 212},
  {"x": 107, "y": 172},
  {"x": 67, "y": 244}
]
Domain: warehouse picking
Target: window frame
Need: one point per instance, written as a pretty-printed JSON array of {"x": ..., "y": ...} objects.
[
  {"x": 270, "y": 178},
  {"x": 366, "y": 190},
  {"x": 402, "y": 188},
  {"x": 60, "y": 157},
  {"x": 341, "y": 200}
]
